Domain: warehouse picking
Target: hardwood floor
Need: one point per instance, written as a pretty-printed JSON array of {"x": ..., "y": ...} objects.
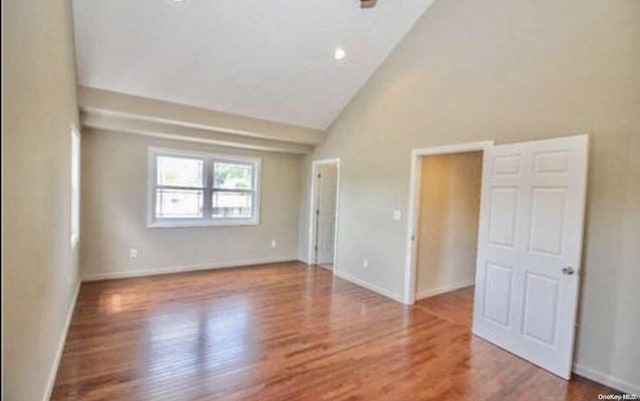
[
  {"x": 285, "y": 332},
  {"x": 327, "y": 266}
]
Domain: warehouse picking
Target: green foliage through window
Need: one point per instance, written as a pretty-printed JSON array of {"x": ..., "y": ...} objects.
[{"x": 232, "y": 176}]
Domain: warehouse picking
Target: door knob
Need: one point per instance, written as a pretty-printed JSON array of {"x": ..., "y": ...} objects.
[{"x": 568, "y": 270}]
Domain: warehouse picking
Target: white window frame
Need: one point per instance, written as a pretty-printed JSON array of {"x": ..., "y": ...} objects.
[
  {"x": 74, "y": 215},
  {"x": 206, "y": 220}
]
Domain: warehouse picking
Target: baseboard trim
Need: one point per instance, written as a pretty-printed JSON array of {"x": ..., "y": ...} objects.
[
  {"x": 441, "y": 290},
  {"x": 607, "y": 380},
  {"x": 63, "y": 339},
  {"x": 186, "y": 268},
  {"x": 369, "y": 286}
]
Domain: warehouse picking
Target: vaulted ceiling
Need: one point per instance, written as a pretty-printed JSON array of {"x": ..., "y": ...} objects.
[{"x": 266, "y": 59}]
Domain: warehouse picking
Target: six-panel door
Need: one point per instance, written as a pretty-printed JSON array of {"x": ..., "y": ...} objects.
[{"x": 529, "y": 248}]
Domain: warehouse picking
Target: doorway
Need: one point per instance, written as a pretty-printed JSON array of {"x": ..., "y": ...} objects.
[
  {"x": 532, "y": 204},
  {"x": 418, "y": 156},
  {"x": 448, "y": 215},
  {"x": 325, "y": 179}
]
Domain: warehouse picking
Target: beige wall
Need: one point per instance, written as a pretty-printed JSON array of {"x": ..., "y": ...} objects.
[
  {"x": 114, "y": 213},
  {"x": 473, "y": 70},
  {"x": 448, "y": 222},
  {"x": 39, "y": 269}
]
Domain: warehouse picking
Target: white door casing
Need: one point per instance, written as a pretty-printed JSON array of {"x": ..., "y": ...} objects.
[
  {"x": 529, "y": 249},
  {"x": 326, "y": 212}
]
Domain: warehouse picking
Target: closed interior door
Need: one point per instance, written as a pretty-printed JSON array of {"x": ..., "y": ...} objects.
[
  {"x": 326, "y": 212},
  {"x": 529, "y": 249}
]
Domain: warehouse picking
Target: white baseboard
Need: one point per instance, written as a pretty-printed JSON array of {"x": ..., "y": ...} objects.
[
  {"x": 183, "y": 269},
  {"x": 369, "y": 286},
  {"x": 63, "y": 338},
  {"x": 441, "y": 290},
  {"x": 607, "y": 380}
]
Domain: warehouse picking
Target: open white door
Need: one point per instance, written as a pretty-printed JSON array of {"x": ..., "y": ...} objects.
[{"x": 529, "y": 249}]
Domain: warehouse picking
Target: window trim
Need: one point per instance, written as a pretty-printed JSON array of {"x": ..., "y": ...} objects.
[{"x": 209, "y": 159}]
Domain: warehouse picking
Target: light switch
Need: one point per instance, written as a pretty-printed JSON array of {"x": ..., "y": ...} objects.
[{"x": 397, "y": 214}]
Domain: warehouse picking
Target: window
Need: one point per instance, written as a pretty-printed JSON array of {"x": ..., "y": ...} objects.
[
  {"x": 200, "y": 189},
  {"x": 75, "y": 186}
]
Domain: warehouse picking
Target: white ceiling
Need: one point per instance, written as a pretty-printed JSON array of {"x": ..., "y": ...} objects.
[{"x": 270, "y": 59}]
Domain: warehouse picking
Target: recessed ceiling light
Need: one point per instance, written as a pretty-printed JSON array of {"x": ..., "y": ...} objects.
[{"x": 339, "y": 54}]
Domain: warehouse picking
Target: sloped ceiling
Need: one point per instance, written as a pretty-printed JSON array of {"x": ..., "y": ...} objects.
[{"x": 266, "y": 59}]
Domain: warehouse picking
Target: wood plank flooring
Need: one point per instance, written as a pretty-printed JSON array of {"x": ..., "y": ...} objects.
[{"x": 285, "y": 332}]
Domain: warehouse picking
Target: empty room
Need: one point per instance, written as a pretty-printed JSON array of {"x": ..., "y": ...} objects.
[{"x": 320, "y": 200}]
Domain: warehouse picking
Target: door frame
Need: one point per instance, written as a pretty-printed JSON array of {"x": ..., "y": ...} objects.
[
  {"x": 413, "y": 216},
  {"x": 311, "y": 255}
]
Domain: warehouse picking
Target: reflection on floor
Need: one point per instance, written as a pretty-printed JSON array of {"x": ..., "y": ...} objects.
[
  {"x": 328, "y": 266},
  {"x": 455, "y": 307},
  {"x": 285, "y": 332}
]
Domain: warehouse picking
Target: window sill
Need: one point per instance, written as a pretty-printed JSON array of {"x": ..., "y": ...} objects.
[{"x": 201, "y": 223}]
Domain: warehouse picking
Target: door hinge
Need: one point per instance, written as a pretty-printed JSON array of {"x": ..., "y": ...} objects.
[
  {"x": 318, "y": 212},
  {"x": 319, "y": 175}
]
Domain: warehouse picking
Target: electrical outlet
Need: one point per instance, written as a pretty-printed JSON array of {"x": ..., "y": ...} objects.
[
  {"x": 273, "y": 243},
  {"x": 133, "y": 253},
  {"x": 365, "y": 263},
  {"x": 397, "y": 214}
]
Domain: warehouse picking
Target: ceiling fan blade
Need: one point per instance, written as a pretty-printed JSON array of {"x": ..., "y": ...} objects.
[{"x": 368, "y": 3}]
